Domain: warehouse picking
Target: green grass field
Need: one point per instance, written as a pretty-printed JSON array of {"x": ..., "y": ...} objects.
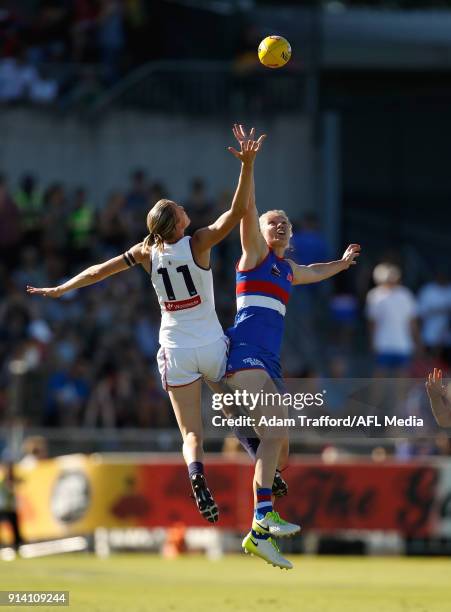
[{"x": 142, "y": 583}]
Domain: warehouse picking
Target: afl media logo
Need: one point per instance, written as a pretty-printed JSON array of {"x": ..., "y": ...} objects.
[{"x": 70, "y": 496}]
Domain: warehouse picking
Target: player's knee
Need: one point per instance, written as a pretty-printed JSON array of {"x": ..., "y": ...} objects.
[{"x": 192, "y": 439}]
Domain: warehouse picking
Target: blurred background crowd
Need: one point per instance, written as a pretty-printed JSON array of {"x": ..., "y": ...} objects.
[
  {"x": 93, "y": 351},
  {"x": 61, "y": 50},
  {"x": 69, "y": 52},
  {"x": 359, "y": 123}
]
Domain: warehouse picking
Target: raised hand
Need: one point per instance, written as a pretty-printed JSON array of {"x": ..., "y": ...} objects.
[
  {"x": 249, "y": 147},
  {"x": 53, "y": 292},
  {"x": 434, "y": 384},
  {"x": 350, "y": 255},
  {"x": 240, "y": 133}
]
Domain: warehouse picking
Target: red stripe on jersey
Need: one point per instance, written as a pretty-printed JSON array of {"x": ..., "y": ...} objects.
[
  {"x": 262, "y": 287},
  {"x": 183, "y": 304},
  {"x": 263, "y": 498}
]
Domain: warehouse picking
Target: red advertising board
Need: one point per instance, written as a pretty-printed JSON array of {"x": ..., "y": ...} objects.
[
  {"x": 76, "y": 494},
  {"x": 351, "y": 496},
  {"x": 369, "y": 496}
]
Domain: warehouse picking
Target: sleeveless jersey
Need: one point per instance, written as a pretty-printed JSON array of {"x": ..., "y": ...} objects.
[
  {"x": 186, "y": 297},
  {"x": 261, "y": 297}
]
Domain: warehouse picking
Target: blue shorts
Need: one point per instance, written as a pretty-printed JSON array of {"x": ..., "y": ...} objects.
[{"x": 244, "y": 356}]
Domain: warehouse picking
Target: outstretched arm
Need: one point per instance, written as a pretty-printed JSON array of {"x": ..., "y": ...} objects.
[
  {"x": 314, "y": 273},
  {"x": 96, "y": 273},
  {"x": 206, "y": 237},
  {"x": 440, "y": 404},
  {"x": 253, "y": 245}
]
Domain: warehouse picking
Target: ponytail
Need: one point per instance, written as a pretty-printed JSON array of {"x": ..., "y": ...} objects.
[
  {"x": 148, "y": 242},
  {"x": 153, "y": 240}
]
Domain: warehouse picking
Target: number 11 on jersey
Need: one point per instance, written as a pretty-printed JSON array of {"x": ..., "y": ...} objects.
[{"x": 184, "y": 270}]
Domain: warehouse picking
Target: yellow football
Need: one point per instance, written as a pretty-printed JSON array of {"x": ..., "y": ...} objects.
[{"x": 274, "y": 51}]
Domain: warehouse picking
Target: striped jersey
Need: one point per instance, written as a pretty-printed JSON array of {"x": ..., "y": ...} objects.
[
  {"x": 262, "y": 294},
  {"x": 186, "y": 297}
]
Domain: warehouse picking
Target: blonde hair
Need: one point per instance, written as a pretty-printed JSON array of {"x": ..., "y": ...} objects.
[
  {"x": 161, "y": 222},
  {"x": 281, "y": 213}
]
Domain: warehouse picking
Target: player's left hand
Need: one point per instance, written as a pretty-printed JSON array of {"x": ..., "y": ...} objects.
[
  {"x": 350, "y": 255},
  {"x": 53, "y": 292}
]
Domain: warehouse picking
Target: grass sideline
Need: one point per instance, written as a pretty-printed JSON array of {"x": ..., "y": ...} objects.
[{"x": 147, "y": 583}]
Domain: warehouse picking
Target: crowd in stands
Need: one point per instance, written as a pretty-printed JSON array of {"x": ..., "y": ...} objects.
[
  {"x": 90, "y": 355},
  {"x": 51, "y": 48},
  {"x": 37, "y": 37},
  {"x": 96, "y": 346},
  {"x": 72, "y": 50}
]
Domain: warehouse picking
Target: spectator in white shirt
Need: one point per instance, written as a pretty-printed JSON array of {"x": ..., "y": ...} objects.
[
  {"x": 391, "y": 311},
  {"x": 434, "y": 308}
]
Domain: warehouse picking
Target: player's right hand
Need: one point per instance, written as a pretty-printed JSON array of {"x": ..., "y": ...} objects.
[
  {"x": 434, "y": 384},
  {"x": 249, "y": 147},
  {"x": 53, "y": 292},
  {"x": 240, "y": 133}
]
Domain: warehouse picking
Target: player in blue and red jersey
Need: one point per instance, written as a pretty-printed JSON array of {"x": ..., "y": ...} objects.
[
  {"x": 262, "y": 294},
  {"x": 264, "y": 279}
]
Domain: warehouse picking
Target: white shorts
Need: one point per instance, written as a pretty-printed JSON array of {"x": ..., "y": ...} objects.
[{"x": 182, "y": 366}]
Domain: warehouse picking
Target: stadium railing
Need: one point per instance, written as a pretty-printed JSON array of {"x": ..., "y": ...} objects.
[
  {"x": 204, "y": 87},
  {"x": 194, "y": 87},
  {"x": 68, "y": 440}
]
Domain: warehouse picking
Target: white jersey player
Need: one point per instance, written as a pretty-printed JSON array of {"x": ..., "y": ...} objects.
[
  {"x": 191, "y": 338},
  {"x": 193, "y": 345}
]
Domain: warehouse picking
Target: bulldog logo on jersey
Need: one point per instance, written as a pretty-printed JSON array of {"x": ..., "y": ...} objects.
[
  {"x": 254, "y": 362},
  {"x": 275, "y": 270}
]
